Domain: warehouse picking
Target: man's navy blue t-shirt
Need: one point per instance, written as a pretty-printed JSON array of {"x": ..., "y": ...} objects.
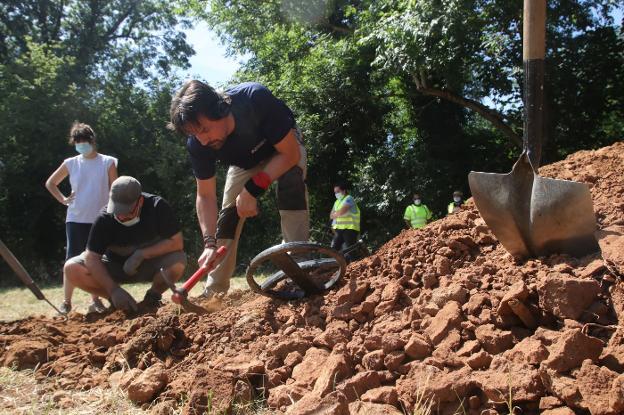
[{"x": 261, "y": 121}]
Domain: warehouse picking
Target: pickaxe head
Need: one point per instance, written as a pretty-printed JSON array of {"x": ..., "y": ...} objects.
[{"x": 180, "y": 296}]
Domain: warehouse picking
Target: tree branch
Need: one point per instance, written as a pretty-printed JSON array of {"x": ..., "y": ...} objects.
[
  {"x": 492, "y": 116},
  {"x": 120, "y": 19}
]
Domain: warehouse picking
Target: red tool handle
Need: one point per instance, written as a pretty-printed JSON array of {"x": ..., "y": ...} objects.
[{"x": 190, "y": 283}]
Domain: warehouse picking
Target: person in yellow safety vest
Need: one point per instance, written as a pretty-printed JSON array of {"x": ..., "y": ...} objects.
[
  {"x": 345, "y": 216},
  {"x": 417, "y": 215},
  {"x": 457, "y": 203}
]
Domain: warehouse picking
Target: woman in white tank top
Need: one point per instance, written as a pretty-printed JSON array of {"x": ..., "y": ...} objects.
[{"x": 90, "y": 176}]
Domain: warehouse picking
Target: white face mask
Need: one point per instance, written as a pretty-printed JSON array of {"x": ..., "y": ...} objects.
[
  {"x": 417, "y": 201},
  {"x": 457, "y": 199},
  {"x": 339, "y": 195},
  {"x": 84, "y": 148},
  {"x": 130, "y": 222}
]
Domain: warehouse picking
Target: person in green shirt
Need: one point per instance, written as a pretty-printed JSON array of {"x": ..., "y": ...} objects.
[
  {"x": 457, "y": 203},
  {"x": 345, "y": 217},
  {"x": 417, "y": 214}
]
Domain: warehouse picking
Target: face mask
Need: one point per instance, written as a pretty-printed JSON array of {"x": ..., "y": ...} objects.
[
  {"x": 130, "y": 222},
  {"x": 84, "y": 148},
  {"x": 338, "y": 195},
  {"x": 457, "y": 199},
  {"x": 417, "y": 202}
]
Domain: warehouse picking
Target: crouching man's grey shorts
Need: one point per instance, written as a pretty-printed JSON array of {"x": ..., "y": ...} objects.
[{"x": 147, "y": 270}]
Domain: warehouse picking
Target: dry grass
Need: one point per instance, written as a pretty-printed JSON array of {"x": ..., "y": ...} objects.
[
  {"x": 17, "y": 303},
  {"x": 21, "y": 393},
  {"x": 424, "y": 404}
]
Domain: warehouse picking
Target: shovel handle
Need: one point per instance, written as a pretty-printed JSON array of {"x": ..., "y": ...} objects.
[
  {"x": 533, "y": 51},
  {"x": 190, "y": 283}
]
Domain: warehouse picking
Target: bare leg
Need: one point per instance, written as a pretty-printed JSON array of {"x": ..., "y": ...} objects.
[
  {"x": 68, "y": 289},
  {"x": 79, "y": 276}
]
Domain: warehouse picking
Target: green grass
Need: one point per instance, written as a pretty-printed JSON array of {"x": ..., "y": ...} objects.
[{"x": 18, "y": 302}]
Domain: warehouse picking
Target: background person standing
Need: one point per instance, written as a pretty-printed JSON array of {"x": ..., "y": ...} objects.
[
  {"x": 417, "y": 215},
  {"x": 345, "y": 216},
  {"x": 456, "y": 205},
  {"x": 90, "y": 176}
]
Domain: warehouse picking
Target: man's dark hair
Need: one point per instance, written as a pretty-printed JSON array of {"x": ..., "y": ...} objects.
[
  {"x": 81, "y": 132},
  {"x": 196, "y": 98}
]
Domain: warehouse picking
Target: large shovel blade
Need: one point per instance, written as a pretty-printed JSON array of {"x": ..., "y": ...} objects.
[{"x": 533, "y": 215}]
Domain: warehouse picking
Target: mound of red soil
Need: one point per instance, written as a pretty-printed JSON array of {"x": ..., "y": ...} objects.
[{"x": 442, "y": 315}]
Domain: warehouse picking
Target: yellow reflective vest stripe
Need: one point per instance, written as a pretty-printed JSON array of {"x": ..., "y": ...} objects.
[
  {"x": 350, "y": 220},
  {"x": 417, "y": 215},
  {"x": 451, "y": 207}
]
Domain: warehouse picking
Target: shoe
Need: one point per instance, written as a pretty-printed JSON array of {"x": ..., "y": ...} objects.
[
  {"x": 207, "y": 293},
  {"x": 96, "y": 306},
  {"x": 65, "y": 307},
  {"x": 152, "y": 298},
  {"x": 210, "y": 293}
]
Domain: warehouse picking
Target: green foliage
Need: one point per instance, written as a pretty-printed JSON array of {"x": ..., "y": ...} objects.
[
  {"x": 38, "y": 101},
  {"x": 97, "y": 62},
  {"x": 362, "y": 77},
  {"x": 135, "y": 36},
  {"x": 365, "y": 78}
]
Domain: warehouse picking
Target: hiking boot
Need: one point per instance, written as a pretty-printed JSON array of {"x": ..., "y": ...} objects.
[
  {"x": 152, "y": 298},
  {"x": 96, "y": 306},
  {"x": 65, "y": 307}
]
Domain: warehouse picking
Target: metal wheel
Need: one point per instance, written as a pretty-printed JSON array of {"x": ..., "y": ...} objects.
[{"x": 297, "y": 279}]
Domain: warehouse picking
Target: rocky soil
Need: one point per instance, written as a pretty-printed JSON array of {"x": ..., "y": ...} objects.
[{"x": 442, "y": 315}]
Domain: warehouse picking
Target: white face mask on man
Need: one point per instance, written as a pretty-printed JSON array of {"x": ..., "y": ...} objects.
[
  {"x": 130, "y": 222},
  {"x": 417, "y": 202},
  {"x": 457, "y": 199},
  {"x": 339, "y": 195}
]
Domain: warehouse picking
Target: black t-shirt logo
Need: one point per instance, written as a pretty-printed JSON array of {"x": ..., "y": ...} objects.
[{"x": 257, "y": 147}]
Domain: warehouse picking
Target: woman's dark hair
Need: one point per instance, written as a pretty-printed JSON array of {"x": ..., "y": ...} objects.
[
  {"x": 342, "y": 185},
  {"x": 196, "y": 98},
  {"x": 81, "y": 132}
]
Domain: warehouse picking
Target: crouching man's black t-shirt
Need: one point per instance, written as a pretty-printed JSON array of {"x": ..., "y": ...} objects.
[
  {"x": 261, "y": 121},
  {"x": 118, "y": 241}
]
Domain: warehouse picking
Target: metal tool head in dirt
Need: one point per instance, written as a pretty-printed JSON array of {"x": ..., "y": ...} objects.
[
  {"x": 320, "y": 270},
  {"x": 180, "y": 294},
  {"x": 23, "y": 275},
  {"x": 532, "y": 215}
]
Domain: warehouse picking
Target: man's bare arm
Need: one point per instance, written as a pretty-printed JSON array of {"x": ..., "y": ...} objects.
[
  {"x": 175, "y": 243},
  {"x": 288, "y": 155},
  {"x": 206, "y": 205}
]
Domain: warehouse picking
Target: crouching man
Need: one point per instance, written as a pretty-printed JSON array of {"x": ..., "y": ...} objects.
[{"x": 131, "y": 239}]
